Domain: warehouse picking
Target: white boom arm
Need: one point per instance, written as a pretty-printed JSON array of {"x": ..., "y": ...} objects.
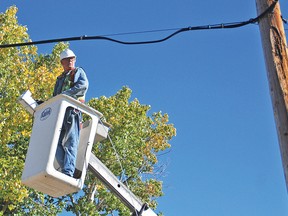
[{"x": 118, "y": 188}]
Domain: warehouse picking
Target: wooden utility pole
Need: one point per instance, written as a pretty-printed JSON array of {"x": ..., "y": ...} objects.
[{"x": 275, "y": 52}]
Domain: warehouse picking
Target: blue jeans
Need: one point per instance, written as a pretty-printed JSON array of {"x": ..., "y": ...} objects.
[{"x": 66, "y": 153}]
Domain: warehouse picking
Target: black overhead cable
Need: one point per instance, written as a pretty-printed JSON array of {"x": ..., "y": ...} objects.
[{"x": 191, "y": 28}]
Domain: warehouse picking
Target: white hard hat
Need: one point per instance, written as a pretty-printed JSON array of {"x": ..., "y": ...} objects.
[{"x": 66, "y": 54}]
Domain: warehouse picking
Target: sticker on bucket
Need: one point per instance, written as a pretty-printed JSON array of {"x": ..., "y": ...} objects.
[{"x": 45, "y": 114}]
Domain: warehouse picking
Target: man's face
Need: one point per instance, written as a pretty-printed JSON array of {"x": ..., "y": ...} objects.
[{"x": 68, "y": 63}]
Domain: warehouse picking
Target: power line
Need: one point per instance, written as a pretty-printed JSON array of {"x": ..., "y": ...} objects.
[{"x": 178, "y": 31}]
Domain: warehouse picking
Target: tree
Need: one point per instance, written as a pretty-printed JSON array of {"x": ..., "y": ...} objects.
[
  {"x": 136, "y": 137},
  {"x": 20, "y": 69}
]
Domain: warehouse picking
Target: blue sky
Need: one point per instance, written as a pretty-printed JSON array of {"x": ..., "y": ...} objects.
[{"x": 225, "y": 159}]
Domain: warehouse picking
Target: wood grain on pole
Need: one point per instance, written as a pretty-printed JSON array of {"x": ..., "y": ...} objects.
[{"x": 275, "y": 53}]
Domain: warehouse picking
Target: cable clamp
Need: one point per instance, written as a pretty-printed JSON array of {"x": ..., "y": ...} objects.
[{"x": 83, "y": 37}]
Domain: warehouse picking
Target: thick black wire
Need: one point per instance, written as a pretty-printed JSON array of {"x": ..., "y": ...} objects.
[{"x": 195, "y": 28}]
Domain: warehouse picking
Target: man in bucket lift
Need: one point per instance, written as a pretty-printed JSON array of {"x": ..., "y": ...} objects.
[{"x": 72, "y": 82}]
